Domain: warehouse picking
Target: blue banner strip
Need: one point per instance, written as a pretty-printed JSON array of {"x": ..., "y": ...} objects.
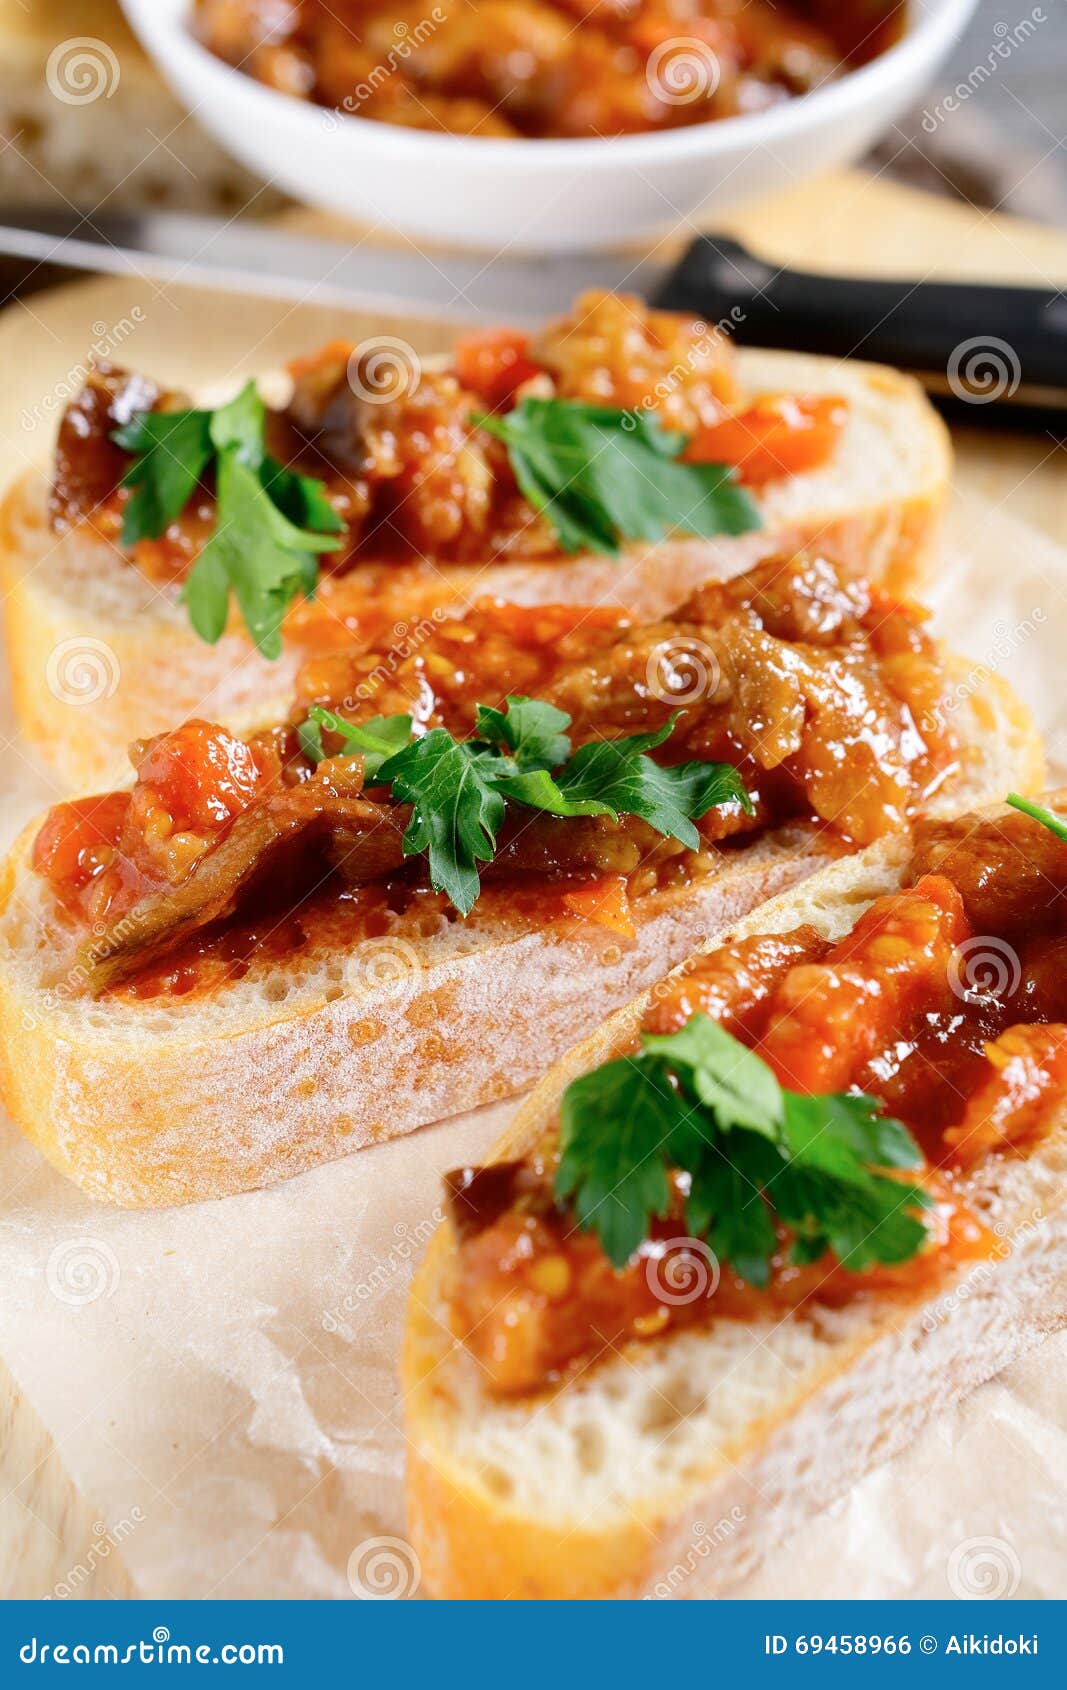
[{"x": 720, "y": 1645}]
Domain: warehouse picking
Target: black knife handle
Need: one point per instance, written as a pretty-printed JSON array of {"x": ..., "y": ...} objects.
[{"x": 980, "y": 342}]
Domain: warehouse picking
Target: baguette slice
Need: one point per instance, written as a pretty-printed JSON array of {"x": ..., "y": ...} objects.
[
  {"x": 100, "y": 656},
  {"x": 673, "y": 1468},
  {"x": 313, "y": 1056}
]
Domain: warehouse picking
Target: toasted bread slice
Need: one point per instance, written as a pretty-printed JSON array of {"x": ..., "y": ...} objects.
[
  {"x": 99, "y": 655},
  {"x": 670, "y": 1468},
  {"x": 310, "y": 1056}
]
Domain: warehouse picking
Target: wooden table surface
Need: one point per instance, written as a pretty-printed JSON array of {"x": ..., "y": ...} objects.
[{"x": 49, "y": 1535}]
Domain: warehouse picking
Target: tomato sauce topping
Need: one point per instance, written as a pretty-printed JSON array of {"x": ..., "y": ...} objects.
[
  {"x": 946, "y": 1000},
  {"x": 102, "y": 855},
  {"x": 813, "y": 688},
  {"x": 404, "y": 465},
  {"x": 779, "y": 435}
]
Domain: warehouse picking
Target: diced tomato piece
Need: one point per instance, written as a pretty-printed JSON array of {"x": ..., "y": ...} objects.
[
  {"x": 831, "y": 1017},
  {"x": 779, "y": 435},
  {"x": 606, "y": 902},
  {"x": 77, "y": 839},
  {"x": 202, "y": 775},
  {"x": 493, "y": 363}
]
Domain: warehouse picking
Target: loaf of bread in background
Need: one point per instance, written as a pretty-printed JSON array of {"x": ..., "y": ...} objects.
[{"x": 85, "y": 119}]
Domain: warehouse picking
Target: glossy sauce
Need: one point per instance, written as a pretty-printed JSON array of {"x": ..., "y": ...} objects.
[
  {"x": 415, "y": 482},
  {"x": 815, "y": 690}
]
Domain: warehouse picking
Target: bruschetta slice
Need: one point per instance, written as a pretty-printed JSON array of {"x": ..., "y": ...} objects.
[
  {"x": 741, "y": 1242},
  {"x": 163, "y": 567},
  {"x": 409, "y": 895}
]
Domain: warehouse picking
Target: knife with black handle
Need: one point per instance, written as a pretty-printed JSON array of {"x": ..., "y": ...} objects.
[
  {"x": 981, "y": 343},
  {"x": 992, "y": 352}
]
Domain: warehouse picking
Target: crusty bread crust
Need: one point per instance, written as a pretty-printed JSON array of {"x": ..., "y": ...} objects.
[
  {"x": 710, "y": 1447},
  {"x": 150, "y": 1106},
  {"x": 303, "y": 1060},
  {"x": 99, "y": 656}
]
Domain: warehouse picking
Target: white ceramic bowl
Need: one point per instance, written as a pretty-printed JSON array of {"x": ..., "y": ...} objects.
[{"x": 541, "y": 195}]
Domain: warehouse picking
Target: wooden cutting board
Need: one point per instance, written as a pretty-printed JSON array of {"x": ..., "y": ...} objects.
[{"x": 49, "y": 1536}]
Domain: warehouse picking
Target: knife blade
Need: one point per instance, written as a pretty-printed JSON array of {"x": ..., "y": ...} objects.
[
  {"x": 978, "y": 346},
  {"x": 244, "y": 257}
]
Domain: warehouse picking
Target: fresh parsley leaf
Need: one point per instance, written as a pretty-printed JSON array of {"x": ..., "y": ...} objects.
[
  {"x": 726, "y": 1205},
  {"x": 172, "y": 450},
  {"x": 538, "y": 790},
  {"x": 271, "y": 522},
  {"x": 257, "y": 553},
  {"x": 617, "y": 772},
  {"x": 699, "y": 1103},
  {"x": 612, "y": 1163},
  {"x": 459, "y": 789},
  {"x": 724, "y": 1074},
  {"x": 207, "y": 596},
  {"x": 238, "y": 426},
  {"x": 1038, "y": 813},
  {"x": 300, "y": 497},
  {"x": 604, "y": 476},
  {"x": 309, "y": 734},
  {"x": 456, "y": 813},
  {"x": 375, "y": 740},
  {"x": 529, "y": 729},
  {"x": 827, "y": 1193}
]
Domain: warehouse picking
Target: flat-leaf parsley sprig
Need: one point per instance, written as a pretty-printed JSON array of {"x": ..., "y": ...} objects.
[
  {"x": 270, "y": 525},
  {"x": 700, "y": 1103},
  {"x": 602, "y": 476},
  {"x": 460, "y": 790}
]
